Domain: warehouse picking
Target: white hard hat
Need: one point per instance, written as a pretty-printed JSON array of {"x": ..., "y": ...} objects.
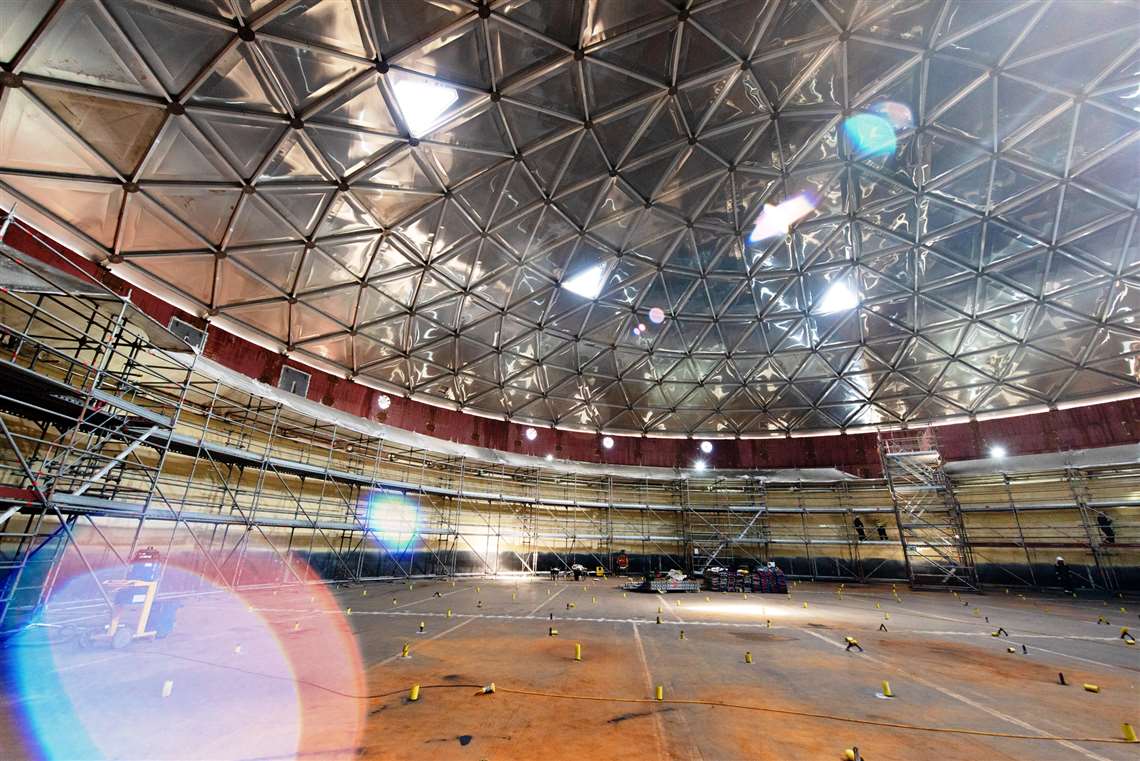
[{"x": 1060, "y": 559}]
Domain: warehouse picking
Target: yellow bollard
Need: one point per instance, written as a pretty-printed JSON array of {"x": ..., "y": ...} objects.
[
  {"x": 364, "y": 593},
  {"x": 625, "y": 594},
  {"x": 393, "y": 600},
  {"x": 659, "y": 609},
  {"x": 1091, "y": 687},
  {"x": 849, "y": 754},
  {"x": 659, "y": 619},
  {"x": 748, "y": 656},
  {"x": 297, "y": 626},
  {"x": 414, "y": 694},
  {"x": 348, "y": 611},
  {"x": 659, "y": 693},
  {"x": 552, "y": 632},
  {"x": 682, "y": 634},
  {"x": 594, "y": 600},
  {"x": 423, "y": 627},
  {"x": 707, "y": 599},
  {"x": 1125, "y": 729},
  {"x": 887, "y": 689},
  {"x": 878, "y": 607},
  {"x": 476, "y": 589},
  {"x": 805, "y": 604},
  {"x": 577, "y": 651},
  {"x": 405, "y": 651},
  {"x": 514, "y": 595},
  {"x": 449, "y": 612}
]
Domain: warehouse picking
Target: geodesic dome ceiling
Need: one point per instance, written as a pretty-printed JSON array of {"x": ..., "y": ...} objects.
[{"x": 481, "y": 205}]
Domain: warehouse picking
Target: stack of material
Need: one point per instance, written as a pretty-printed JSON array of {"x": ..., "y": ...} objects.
[{"x": 759, "y": 580}]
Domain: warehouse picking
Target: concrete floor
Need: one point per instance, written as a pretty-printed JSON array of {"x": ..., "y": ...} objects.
[{"x": 943, "y": 665}]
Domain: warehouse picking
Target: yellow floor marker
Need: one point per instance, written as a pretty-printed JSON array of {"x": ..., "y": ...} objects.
[
  {"x": 886, "y": 693},
  {"x": 414, "y": 693},
  {"x": 748, "y": 656},
  {"x": 659, "y": 693},
  {"x": 1125, "y": 729},
  {"x": 1094, "y": 688},
  {"x": 577, "y": 651}
]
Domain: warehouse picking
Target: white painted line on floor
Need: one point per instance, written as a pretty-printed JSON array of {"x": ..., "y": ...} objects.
[
  {"x": 445, "y": 632},
  {"x": 963, "y": 699},
  {"x": 530, "y": 613},
  {"x": 658, "y": 723},
  {"x": 426, "y": 599}
]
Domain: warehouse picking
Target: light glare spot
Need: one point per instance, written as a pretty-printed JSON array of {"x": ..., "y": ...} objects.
[
  {"x": 587, "y": 283},
  {"x": 422, "y": 103},
  {"x": 838, "y": 298}
]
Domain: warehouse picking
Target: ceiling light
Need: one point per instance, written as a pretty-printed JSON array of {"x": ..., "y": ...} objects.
[
  {"x": 699, "y": 465},
  {"x": 657, "y": 315},
  {"x": 549, "y": 457},
  {"x": 838, "y": 298},
  {"x": 587, "y": 283},
  {"x": 383, "y": 402},
  {"x": 997, "y": 451},
  {"x": 530, "y": 434},
  {"x": 422, "y": 102},
  {"x": 608, "y": 442},
  {"x": 777, "y": 220},
  {"x": 706, "y": 447}
]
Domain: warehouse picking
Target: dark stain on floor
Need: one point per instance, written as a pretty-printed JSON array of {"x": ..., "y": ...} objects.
[{"x": 634, "y": 715}]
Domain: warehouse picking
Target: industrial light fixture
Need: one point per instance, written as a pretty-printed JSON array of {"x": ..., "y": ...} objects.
[
  {"x": 530, "y": 434},
  {"x": 422, "y": 102},
  {"x": 997, "y": 451},
  {"x": 700, "y": 465},
  {"x": 587, "y": 283},
  {"x": 383, "y": 402},
  {"x": 608, "y": 442},
  {"x": 706, "y": 447},
  {"x": 838, "y": 298},
  {"x": 549, "y": 457}
]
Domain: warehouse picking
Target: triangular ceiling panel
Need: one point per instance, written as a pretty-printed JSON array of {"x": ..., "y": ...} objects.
[{"x": 715, "y": 219}]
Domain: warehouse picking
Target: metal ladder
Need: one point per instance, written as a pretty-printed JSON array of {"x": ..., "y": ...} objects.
[{"x": 929, "y": 519}]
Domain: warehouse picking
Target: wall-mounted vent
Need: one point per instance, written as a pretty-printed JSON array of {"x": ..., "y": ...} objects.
[
  {"x": 294, "y": 381},
  {"x": 187, "y": 332}
]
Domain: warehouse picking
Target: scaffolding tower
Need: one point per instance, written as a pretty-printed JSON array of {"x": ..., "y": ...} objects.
[
  {"x": 931, "y": 529},
  {"x": 730, "y": 530}
]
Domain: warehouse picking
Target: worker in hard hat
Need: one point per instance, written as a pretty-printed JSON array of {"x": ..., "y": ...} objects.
[{"x": 1064, "y": 575}]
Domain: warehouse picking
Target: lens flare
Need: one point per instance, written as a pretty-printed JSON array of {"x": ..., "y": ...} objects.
[
  {"x": 898, "y": 114},
  {"x": 393, "y": 518},
  {"x": 214, "y": 673},
  {"x": 657, "y": 315},
  {"x": 778, "y": 220},
  {"x": 870, "y": 134}
]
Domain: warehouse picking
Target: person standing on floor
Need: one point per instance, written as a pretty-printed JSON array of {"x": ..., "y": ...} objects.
[
  {"x": 859, "y": 530},
  {"x": 1105, "y": 524},
  {"x": 1064, "y": 575}
]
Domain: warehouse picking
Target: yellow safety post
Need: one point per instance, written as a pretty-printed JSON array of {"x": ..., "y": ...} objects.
[
  {"x": 297, "y": 626},
  {"x": 1091, "y": 687},
  {"x": 682, "y": 634},
  {"x": 423, "y": 627},
  {"x": 348, "y": 611},
  {"x": 414, "y": 693},
  {"x": 1125, "y": 729},
  {"x": 405, "y": 652},
  {"x": 805, "y": 604},
  {"x": 552, "y": 632},
  {"x": 748, "y": 656},
  {"x": 514, "y": 595},
  {"x": 577, "y": 651},
  {"x": 449, "y": 612},
  {"x": 887, "y": 689},
  {"x": 487, "y": 689},
  {"x": 659, "y": 609},
  {"x": 393, "y": 600},
  {"x": 659, "y": 693},
  {"x": 659, "y": 619},
  {"x": 849, "y": 754},
  {"x": 594, "y": 600},
  {"x": 364, "y": 593}
]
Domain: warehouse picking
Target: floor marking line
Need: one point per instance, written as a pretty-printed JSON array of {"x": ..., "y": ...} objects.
[
  {"x": 433, "y": 597},
  {"x": 967, "y": 701},
  {"x": 538, "y": 607},
  {"x": 658, "y": 723},
  {"x": 391, "y": 658}
]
